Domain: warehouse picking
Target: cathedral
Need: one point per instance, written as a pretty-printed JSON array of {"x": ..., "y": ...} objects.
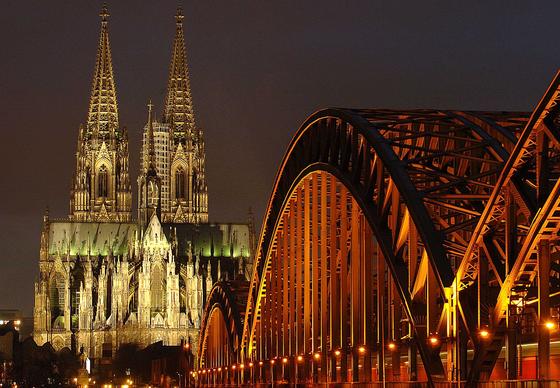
[{"x": 106, "y": 278}]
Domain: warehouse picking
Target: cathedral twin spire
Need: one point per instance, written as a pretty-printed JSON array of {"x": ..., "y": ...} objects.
[
  {"x": 101, "y": 189},
  {"x": 178, "y": 109},
  {"x": 103, "y": 116}
]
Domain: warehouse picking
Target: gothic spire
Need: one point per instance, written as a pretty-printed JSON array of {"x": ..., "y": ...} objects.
[
  {"x": 178, "y": 107},
  {"x": 103, "y": 114}
]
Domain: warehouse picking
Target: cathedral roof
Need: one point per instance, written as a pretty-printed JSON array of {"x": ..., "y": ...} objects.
[
  {"x": 104, "y": 238},
  {"x": 217, "y": 240},
  {"x": 99, "y": 238}
]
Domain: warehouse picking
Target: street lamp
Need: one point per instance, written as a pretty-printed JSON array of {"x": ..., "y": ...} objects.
[
  {"x": 317, "y": 356},
  {"x": 550, "y": 325},
  {"x": 392, "y": 346},
  {"x": 300, "y": 358},
  {"x": 484, "y": 333},
  {"x": 433, "y": 340},
  {"x": 362, "y": 349}
]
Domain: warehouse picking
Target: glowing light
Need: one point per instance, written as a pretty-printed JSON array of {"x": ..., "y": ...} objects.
[
  {"x": 219, "y": 369},
  {"x": 392, "y": 346},
  {"x": 233, "y": 366},
  {"x": 550, "y": 325},
  {"x": 362, "y": 349},
  {"x": 317, "y": 356},
  {"x": 484, "y": 333},
  {"x": 271, "y": 362},
  {"x": 260, "y": 363},
  {"x": 285, "y": 360},
  {"x": 242, "y": 366},
  {"x": 434, "y": 340},
  {"x": 337, "y": 353},
  {"x": 251, "y": 364}
]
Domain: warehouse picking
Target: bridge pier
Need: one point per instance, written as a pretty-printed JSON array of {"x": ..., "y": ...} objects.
[
  {"x": 511, "y": 345},
  {"x": 544, "y": 309},
  {"x": 355, "y": 365},
  {"x": 367, "y": 365},
  {"x": 412, "y": 361},
  {"x": 333, "y": 363}
]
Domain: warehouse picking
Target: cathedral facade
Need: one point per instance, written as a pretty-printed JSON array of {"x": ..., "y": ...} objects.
[{"x": 107, "y": 279}]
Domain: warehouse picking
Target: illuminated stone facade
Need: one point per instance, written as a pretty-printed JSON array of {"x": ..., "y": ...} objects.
[{"x": 105, "y": 279}]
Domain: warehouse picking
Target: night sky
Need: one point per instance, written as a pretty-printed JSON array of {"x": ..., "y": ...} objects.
[{"x": 258, "y": 69}]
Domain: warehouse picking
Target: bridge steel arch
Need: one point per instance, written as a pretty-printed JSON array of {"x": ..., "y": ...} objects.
[
  {"x": 392, "y": 234},
  {"x": 420, "y": 179},
  {"x": 222, "y": 327}
]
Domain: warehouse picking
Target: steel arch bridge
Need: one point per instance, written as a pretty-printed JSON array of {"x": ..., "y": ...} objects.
[{"x": 400, "y": 245}]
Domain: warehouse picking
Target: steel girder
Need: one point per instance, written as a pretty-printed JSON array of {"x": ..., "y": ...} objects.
[
  {"x": 523, "y": 211},
  {"x": 229, "y": 297},
  {"x": 434, "y": 170}
]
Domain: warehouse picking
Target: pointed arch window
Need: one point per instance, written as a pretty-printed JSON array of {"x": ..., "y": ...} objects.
[
  {"x": 157, "y": 289},
  {"x": 57, "y": 295},
  {"x": 180, "y": 183},
  {"x": 102, "y": 182}
]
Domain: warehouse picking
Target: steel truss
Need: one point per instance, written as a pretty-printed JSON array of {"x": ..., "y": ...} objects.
[{"x": 397, "y": 233}]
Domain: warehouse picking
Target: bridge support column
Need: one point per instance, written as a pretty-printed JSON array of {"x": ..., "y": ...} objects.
[
  {"x": 462, "y": 362},
  {"x": 355, "y": 365},
  {"x": 333, "y": 374},
  {"x": 511, "y": 346},
  {"x": 380, "y": 315},
  {"x": 367, "y": 366},
  {"x": 544, "y": 309},
  {"x": 412, "y": 360},
  {"x": 294, "y": 378},
  {"x": 396, "y": 362},
  {"x": 344, "y": 286}
]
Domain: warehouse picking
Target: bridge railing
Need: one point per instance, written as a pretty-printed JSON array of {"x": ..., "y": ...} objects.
[{"x": 413, "y": 384}]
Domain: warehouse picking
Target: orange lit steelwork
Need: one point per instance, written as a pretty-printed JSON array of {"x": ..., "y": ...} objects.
[{"x": 385, "y": 227}]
